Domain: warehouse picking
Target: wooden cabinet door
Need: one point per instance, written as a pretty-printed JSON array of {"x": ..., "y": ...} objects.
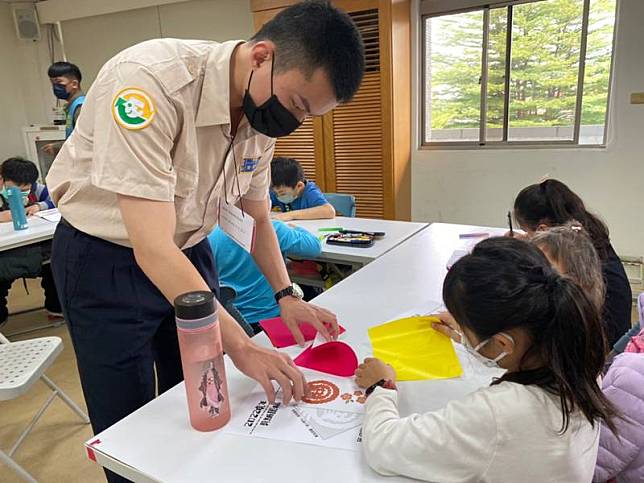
[
  {"x": 355, "y": 132},
  {"x": 306, "y": 144}
]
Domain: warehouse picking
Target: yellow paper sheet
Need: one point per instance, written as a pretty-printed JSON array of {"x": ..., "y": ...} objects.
[{"x": 415, "y": 349}]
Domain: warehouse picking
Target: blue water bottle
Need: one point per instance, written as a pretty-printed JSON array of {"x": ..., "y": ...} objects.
[{"x": 17, "y": 207}]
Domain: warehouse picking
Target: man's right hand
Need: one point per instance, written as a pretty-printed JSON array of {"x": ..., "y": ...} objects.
[{"x": 267, "y": 365}]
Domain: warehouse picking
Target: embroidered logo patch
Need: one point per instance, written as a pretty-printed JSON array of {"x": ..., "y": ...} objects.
[
  {"x": 249, "y": 165},
  {"x": 133, "y": 109}
]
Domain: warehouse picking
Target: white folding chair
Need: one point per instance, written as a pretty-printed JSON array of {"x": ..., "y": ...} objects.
[{"x": 21, "y": 365}]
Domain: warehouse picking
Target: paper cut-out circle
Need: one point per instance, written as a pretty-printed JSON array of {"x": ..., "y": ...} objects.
[{"x": 321, "y": 392}]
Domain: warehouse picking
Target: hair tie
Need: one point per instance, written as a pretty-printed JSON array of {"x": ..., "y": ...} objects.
[
  {"x": 551, "y": 281},
  {"x": 548, "y": 278}
]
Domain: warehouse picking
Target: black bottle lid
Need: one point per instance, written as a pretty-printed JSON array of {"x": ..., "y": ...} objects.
[{"x": 195, "y": 305}]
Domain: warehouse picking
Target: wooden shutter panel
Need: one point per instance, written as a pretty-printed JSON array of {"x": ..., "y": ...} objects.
[
  {"x": 358, "y": 129},
  {"x": 300, "y": 145}
]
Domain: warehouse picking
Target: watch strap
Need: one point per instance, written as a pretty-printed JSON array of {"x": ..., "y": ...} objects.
[
  {"x": 285, "y": 292},
  {"x": 384, "y": 383}
]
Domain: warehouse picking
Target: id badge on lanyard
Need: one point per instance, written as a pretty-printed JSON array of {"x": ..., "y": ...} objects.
[
  {"x": 235, "y": 222},
  {"x": 238, "y": 225}
]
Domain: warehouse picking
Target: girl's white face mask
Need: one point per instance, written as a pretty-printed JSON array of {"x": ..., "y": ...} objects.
[{"x": 493, "y": 363}]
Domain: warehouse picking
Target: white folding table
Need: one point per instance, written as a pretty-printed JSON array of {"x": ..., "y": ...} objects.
[
  {"x": 396, "y": 232},
  {"x": 156, "y": 443},
  {"x": 39, "y": 230}
]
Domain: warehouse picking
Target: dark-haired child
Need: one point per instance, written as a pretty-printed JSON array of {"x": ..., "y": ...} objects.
[
  {"x": 65, "y": 79},
  {"x": 25, "y": 262},
  {"x": 294, "y": 196},
  {"x": 552, "y": 203},
  {"x": 539, "y": 421},
  {"x": 23, "y": 174}
]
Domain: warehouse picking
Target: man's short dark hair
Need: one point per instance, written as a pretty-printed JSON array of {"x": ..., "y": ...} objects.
[
  {"x": 65, "y": 69},
  {"x": 314, "y": 34},
  {"x": 19, "y": 171},
  {"x": 286, "y": 172}
]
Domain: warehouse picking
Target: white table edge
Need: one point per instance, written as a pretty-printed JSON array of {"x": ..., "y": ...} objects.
[{"x": 118, "y": 466}]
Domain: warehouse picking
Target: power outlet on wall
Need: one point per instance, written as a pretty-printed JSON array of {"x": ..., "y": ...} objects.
[{"x": 637, "y": 98}]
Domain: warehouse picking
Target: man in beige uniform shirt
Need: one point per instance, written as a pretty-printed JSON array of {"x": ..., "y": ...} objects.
[{"x": 171, "y": 131}]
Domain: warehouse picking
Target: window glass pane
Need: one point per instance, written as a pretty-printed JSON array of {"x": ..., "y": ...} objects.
[
  {"x": 599, "y": 49},
  {"x": 497, "y": 40},
  {"x": 546, "y": 39},
  {"x": 453, "y": 51}
]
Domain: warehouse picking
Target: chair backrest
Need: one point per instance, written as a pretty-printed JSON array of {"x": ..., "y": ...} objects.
[
  {"x": 345, "y": 205},
  {"x": 227, "y": 294}
]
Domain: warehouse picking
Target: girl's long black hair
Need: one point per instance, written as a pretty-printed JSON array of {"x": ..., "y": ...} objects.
[
  {"x": 506, "y": 283},
  {"x": 553, "y": 203}
]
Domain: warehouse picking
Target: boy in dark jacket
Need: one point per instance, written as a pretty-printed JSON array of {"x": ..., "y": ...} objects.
[{"x": 27, "y": 261}]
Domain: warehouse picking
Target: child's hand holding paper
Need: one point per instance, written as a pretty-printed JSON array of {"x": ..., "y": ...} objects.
[
  {"x": 447, "y": 325},
  {"x": 373, "y": 370}
]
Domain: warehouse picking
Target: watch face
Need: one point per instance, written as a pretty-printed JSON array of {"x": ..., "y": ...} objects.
[{"x": 297, "y": 291}]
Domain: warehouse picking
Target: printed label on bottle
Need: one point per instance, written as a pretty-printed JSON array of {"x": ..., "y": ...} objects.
[{"x": 212, "y": 387}]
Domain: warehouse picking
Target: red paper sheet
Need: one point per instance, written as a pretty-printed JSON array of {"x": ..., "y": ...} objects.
[
  {"x": 335, "y": 358},
  {"x": 280, "y": 336}
]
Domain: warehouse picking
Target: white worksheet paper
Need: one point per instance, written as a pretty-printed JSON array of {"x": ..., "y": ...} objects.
[
  {"x": 52, "y": 215},
  {"x": 333, "y": 424}
]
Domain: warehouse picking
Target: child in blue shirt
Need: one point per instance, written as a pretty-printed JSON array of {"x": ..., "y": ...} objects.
[
  {"x": 238, "y": 270},
  {"x": 293, "y": 197},
  {"x": 23, "y": 174},
  {"x": 27, "y": 261}
]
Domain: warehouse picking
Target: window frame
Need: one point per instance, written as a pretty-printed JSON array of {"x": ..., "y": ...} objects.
[{"x": 505, "y": 143}]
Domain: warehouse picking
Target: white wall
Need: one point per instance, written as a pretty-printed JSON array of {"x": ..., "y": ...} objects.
[
  {"x": 89, "y": 43},
  {"x": 479, "y": 186},
  {"x": 24, "y": 85}
]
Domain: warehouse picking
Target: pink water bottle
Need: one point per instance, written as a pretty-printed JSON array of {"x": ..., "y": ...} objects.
[{"x": 202, "y": 358}]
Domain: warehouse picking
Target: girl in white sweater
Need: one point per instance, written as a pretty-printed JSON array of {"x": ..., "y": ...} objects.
[{"x": 537, "y": 423}]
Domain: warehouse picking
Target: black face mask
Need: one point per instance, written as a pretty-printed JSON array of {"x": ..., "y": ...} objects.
[{"x": 271, "y": 118}]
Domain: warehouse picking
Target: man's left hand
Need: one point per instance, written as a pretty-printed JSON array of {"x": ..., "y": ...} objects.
[
  {"x": 295, "y": 311},
  {"x": 265, "y": 365}
]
